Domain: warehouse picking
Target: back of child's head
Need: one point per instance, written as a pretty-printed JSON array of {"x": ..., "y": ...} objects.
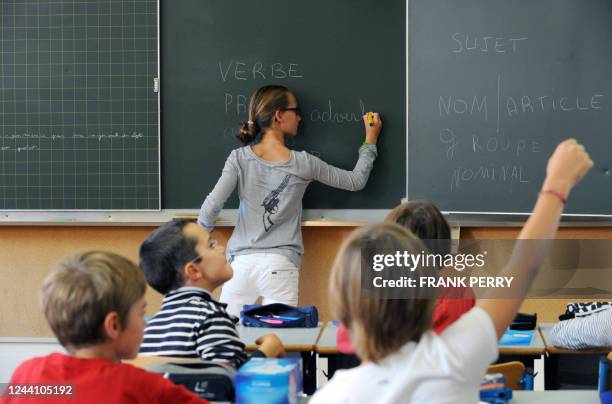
[
  {"x": 164, "y": 253},
  {"x": 264, "y": 103},
  {"x": 424, "y": 220},
  {"x": 379, "y": 325},
  {"x": 83, "y": 289}
]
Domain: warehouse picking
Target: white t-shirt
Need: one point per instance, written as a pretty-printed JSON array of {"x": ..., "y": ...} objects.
[{"x": 446, "y": 368}]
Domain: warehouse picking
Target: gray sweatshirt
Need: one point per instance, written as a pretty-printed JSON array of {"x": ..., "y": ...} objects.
[{"x": 270, "y": 211}]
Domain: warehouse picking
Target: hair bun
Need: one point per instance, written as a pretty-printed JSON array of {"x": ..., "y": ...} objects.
[{"x": 247, "y": 132}]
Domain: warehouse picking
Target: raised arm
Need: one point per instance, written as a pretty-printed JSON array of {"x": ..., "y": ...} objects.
[
  {"x": 566, "y": 167},
  {"x": 356, "y": 179},
  {"x": 223, "y": 189}
]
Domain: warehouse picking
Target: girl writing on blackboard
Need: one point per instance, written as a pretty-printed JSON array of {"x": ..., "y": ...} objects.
[{"x": 266, "y": 246}]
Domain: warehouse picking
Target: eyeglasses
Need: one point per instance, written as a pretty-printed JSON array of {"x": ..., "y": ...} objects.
[
  {"x": 212, "y": 244},
  {"x": 198, "y": 258},
  {"x": 297, "y": 110}
]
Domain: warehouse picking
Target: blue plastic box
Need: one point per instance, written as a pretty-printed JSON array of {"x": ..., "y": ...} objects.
[{"x": 269, "y": 381}]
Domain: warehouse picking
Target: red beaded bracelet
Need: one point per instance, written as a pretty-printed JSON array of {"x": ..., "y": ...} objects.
[{"x": 555, "y": 193}]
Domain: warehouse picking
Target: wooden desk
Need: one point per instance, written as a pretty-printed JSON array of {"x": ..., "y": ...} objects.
[
  {"x": 525, "y": 354},
  {"x": 327, "y": 347},
  {"x": 327, "y": 343},
  {"x": 293, "y": 339},
  {"x": 537, "y": 347},
  {"x": 551, "y": 361},
  {"x": 327, "y": 340},
  {"x": 546, "y": 329}
]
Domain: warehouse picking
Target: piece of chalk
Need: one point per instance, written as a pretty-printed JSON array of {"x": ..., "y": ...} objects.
[{"x": 370, "y": 119}]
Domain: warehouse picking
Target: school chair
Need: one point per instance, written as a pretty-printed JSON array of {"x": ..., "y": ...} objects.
[
  {"x": 513, "y": 371},
  {"x": 210, "y": 380}
]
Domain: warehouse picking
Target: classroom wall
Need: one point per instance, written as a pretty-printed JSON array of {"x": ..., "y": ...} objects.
[
  {"x": 14, "y": 351},
  {"x": 28, "y": 252},
  {"x": 548, "y": 309}
]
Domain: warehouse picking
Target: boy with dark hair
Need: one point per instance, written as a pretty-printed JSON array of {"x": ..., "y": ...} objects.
[
  {"x": 182, "y": 262},
  {"x": 94, "y": 303}
]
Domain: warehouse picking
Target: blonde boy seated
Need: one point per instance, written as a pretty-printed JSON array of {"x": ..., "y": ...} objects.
[{"x": 94, "y": 303}]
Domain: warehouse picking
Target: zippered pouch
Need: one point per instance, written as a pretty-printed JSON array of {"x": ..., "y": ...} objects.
[{"x": 279, "y": 315}]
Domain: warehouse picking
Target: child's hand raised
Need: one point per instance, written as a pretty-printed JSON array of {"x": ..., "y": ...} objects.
[
  {"x": 271, "y": 346},
  {"x": 566, "y": 167}
]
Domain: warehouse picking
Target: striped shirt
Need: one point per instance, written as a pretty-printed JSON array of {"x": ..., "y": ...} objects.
[
  {"x": 190, "y": 323},
  {"x": 584, "y": 332}
]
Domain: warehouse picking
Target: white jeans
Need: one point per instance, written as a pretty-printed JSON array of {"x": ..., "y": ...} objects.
[{"x": 271, "y": 276}]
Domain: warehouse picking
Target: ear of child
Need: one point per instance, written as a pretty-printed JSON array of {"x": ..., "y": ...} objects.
[
  {"x": 126, "y": 336},
  {"x": 192, "y": 273},
  {"x": 112, "y": 326}
]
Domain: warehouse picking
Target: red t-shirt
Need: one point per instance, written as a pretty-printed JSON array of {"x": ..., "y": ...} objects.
[
  {"x": 451, "y": 304},
  {"x": 98, "y": 381}
]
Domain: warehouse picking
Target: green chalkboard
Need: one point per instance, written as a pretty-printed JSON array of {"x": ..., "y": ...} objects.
[
  {"x": 78, "y": 110},
  {"x": 339, "y": 57},
  {"x": 494, "y": 86}
]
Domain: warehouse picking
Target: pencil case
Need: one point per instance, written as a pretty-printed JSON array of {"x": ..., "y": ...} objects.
[
  {"x": 493, "y": 389},
  {"x": 524, "y": 322},
  {"x": 279, "y": 315}
]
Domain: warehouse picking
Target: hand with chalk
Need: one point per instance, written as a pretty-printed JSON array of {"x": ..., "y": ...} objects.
[{"x": 373, "y": 125}]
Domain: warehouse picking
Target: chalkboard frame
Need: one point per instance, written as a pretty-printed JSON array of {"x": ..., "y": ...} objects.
[{"x": 49, "y": 215}]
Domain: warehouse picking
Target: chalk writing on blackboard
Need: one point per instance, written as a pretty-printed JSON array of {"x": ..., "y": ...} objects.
[
  {"x": 55, "y": 136},
  {"x": 332, "y": 115},
  {"x": 482, "y": 173},
  {"x": 238, "y": 70},
  {"x": 475, "y": 105},
  {"x": 463, "y": 42}
]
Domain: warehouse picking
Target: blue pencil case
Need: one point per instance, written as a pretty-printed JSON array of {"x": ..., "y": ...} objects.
[{"x": 279, "y": 315}]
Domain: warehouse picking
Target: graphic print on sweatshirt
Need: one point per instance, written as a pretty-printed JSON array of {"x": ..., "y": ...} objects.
[{"x": 270, "y": 204}]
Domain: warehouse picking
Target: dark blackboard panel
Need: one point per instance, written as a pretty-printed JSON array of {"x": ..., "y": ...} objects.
[
  {"x": 78, "y": 114},
  {"x": 494, "y": 86},
  {"x": 345, "y": 55}
]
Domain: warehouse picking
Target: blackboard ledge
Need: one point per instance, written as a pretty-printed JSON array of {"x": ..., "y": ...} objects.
[
  {"x": 311, "y": 218},
  {"x": 227, "y": 218},
  {"x": 505, "y": 219}
]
